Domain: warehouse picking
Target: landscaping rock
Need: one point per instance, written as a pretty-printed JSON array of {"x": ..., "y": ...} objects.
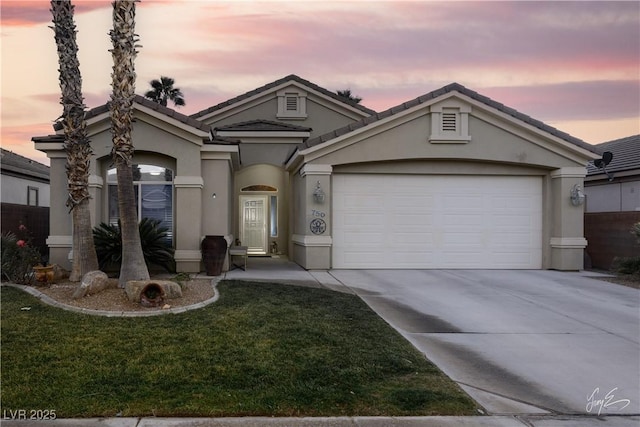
[
  {"x": 59, "y": 273},
  {"x": 92, "y": 283},
  {"x": 134, "y": 288}
]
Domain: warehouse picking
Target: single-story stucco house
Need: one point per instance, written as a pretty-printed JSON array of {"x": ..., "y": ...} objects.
[
  {"x": 451, "y": 179},
  {"x": 613, "y": 203},
  {"x": 24, "y": 198}
]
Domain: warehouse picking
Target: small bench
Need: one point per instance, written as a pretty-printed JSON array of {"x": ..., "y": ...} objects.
[{"x": 240, "y": 251}]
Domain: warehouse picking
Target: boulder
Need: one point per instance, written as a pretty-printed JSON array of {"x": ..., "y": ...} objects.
[
  {"x": 134, "y": 288},
  {"x": 92, "y": 283}
]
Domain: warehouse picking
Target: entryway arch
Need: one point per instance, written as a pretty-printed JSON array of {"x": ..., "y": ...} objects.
[{"x": 262, "y": 209}]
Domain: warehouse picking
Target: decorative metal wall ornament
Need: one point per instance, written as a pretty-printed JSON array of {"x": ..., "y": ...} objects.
[
  {"x": 318, "y": 194},
  {"x": 318, "y": 226},
  {"x": 577, "y": 195}
]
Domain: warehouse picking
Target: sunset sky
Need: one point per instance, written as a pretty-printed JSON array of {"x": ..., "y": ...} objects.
[{"x": 573, "y": 65}]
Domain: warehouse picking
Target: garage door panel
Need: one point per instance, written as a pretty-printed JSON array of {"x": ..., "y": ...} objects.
[
  {"x": 418, "y": 221},
  {"x": 362, "y": 220}
]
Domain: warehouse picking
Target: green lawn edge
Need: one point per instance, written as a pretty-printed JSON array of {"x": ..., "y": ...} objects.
[{"x": 262, "y": 349}]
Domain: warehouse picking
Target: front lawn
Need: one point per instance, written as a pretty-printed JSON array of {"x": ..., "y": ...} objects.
[{"x": 261, "y": 350}]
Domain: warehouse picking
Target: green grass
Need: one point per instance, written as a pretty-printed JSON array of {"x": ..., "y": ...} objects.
[{"x": 261, "y": 350}]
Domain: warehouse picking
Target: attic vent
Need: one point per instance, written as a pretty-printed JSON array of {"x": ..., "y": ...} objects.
[
  {"x": 291, "y": 103},
  {"x": 449, "y": 122}
]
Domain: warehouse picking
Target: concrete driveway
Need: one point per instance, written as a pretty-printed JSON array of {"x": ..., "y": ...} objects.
[{"x": 518, "y": 341}]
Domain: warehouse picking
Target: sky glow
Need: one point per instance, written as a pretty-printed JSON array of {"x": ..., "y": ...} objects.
[{"x": 573, "y": 65}]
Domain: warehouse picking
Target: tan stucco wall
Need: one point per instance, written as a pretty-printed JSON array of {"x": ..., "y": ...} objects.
[
  {"x": 260, "y": 153},
  {"x": 410, "y": 141},
  {"x": 59, "y": 240},
  {"x": 216, "y": 212}
]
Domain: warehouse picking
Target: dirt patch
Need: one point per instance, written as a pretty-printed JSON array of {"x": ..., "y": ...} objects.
[
  {"x": 632, "y": 281},
  {"x": 115, "y": 299}
]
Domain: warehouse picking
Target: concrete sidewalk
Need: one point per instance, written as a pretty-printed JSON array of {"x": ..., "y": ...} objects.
[{"x": 479, "y": 421}]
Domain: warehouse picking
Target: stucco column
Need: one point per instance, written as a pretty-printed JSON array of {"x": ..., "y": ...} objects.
[
  {"x": 60, "y": 230},
  {"x": 188, "y": 227},
  {"x": 95, "y": 203},
  {"x": 312, "y": 238},
  {"x": 567, "y": 231}
]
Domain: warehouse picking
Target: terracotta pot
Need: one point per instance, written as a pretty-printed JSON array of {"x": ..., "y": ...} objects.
[
  {"x": 214, "y": 251},
  {"x": 44, "y": 274}
]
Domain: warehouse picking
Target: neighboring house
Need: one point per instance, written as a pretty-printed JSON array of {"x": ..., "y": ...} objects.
[
  {"x": 451, "y": 179},
  {"x": 24, "y": 196},
  {"x": 613, "y": 203}
]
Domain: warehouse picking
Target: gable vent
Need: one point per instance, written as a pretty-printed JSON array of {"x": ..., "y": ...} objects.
[
  {"x": 291, "y": 103},
  {"x": 449, "y": 122}
]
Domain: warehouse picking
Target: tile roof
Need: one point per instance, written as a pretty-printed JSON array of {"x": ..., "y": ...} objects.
[
  {"x": 453, "y": 87},
  {"x": 16, "y": 164},
  {"x": 626, "y": 155},
  {"x": 263, "y": 125},
  {"x": 268, "y": 86},
  {"x": 188, "y": 120}
]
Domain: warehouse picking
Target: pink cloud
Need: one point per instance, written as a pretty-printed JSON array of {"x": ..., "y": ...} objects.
[
  {"x": 597, "y": 100},
  {"x": 31, "y": 12},
  {"x": 18, "y": 139},
  {"x": 433, "y": 37}
]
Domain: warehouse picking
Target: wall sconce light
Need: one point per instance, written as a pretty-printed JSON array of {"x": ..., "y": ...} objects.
[
  {"x": 213, "y": 196},
  {"x": 577, "y": 195},
  {"x": 318, "y": 194}
]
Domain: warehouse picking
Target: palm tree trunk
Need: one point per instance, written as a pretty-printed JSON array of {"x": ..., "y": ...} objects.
[
  {"x": 124, "y": 52},
  {"x": 76, "y": 144}
]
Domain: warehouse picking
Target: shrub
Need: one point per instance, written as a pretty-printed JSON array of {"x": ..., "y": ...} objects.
[
  {"x": 629, "y": 265},
  {"x": 19, "y": 257},
  {"x": 635, "y": 230},
  {"x": 154, "y": 239}
]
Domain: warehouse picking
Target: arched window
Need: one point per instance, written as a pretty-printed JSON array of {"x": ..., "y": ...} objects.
[{"x": 153, "y": 187}]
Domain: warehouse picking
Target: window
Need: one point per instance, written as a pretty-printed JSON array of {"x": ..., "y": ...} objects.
[
  {"x": 32, "y": 196},
  {"x": 450, "y": 123},
  {"x": 153, "y": 186},
  {"x": 273, "y": 213},
  {"x": 292, "y": 104}
]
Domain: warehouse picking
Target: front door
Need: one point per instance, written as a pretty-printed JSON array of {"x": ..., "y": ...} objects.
[{"x": 253, "y": 224}]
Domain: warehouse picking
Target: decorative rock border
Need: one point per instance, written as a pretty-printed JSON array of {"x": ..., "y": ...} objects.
[{"x": 111, "y": 313}]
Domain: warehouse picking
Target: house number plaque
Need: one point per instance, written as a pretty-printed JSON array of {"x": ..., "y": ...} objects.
[{"x": 318, "y": 226}]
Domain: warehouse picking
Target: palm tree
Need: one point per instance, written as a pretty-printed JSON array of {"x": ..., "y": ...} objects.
[
  {"x": 346, "y": 94},
  {"x": 76, "y": 144},
  {"x": 163, "y": 91},
  {"x": 124, "y": 53}
]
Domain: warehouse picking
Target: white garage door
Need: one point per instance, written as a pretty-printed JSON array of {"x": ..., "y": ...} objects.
[{"x": 437, "y": 221}]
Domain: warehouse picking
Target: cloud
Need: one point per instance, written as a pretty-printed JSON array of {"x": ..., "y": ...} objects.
[
  {"x": 571, "y": 61},
  {"x": 18, "y": 139},
  {"x": 597, "y": 100},
  {"x": 421, "y": 42},
  {"x": 32, "y": 12}
]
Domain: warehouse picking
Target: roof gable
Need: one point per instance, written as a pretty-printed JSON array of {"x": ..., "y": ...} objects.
[
  {"x": 273, "y": 87},
  {"x": 165, "y": 112},
  {"x": 429, "y": 98}
]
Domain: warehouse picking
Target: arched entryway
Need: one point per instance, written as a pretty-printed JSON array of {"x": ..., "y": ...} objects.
[{"x": 261, "y": 214}]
